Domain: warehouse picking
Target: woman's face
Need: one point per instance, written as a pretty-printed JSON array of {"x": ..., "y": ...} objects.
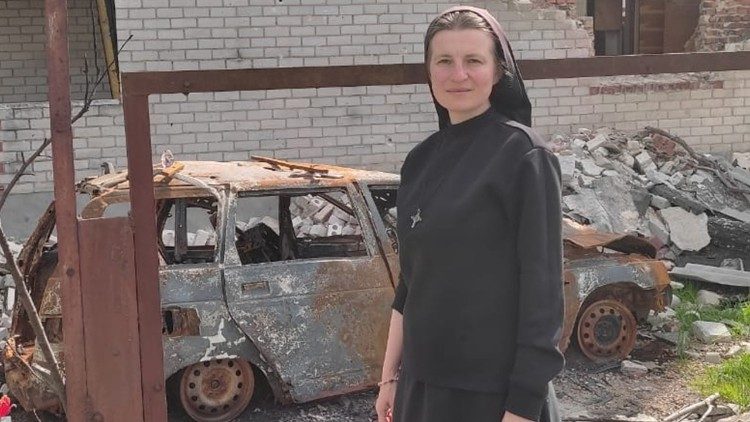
[{"x": 462, "y": 71}]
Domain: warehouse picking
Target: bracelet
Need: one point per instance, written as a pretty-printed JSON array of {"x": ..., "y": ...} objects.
[{"x": 388, "y": 381}]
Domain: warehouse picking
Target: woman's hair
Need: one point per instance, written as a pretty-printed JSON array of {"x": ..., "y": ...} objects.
[{"x": 463, "y": 19}]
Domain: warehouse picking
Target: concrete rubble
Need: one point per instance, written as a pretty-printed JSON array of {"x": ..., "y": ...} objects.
[
  {"x": 633, "y": 369},
  {"x": 647, "y": 184},
  {"x": 711, "y": 332}
]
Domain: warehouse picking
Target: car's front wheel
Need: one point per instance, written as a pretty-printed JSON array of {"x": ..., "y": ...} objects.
[
  {"x": 606, "y": 330},
  {"x": 216, "y": 390}
]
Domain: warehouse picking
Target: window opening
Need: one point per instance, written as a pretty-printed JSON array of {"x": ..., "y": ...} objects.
[
  {"x": 286, "y": 227},
  {"x": 385, "y": 202},
  {"x": 188, "y": 230}
]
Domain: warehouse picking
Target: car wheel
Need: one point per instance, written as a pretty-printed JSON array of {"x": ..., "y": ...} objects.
[
  {"x": 606, "y": 331},
  {"x": 216, "y": 390}
]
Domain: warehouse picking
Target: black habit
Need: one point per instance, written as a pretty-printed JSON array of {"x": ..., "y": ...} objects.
[{"x": 479, "y": 226}]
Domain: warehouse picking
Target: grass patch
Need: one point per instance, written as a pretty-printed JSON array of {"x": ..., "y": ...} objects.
[
  {"x": 736, "y": 316},
  {"x": 731, "y": 379}
]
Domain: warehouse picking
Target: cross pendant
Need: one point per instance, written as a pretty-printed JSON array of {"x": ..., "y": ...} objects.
[{"x": 416, "y": 218}]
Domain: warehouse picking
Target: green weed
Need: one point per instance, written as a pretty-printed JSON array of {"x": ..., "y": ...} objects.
[{"x": 731, "y": 379}]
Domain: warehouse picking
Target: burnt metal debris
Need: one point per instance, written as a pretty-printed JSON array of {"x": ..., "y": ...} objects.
[{"x": 293, "y": 276}]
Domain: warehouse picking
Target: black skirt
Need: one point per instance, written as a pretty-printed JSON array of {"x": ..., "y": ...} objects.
[{"x": 420, "y": 402}]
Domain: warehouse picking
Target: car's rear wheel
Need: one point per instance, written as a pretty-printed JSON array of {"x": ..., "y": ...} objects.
[
  {"x": 216, "y": 390},
  {"x": 606, "y": 330}
]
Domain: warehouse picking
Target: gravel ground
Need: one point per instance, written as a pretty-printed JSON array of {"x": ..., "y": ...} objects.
[{"x": 585, "y": 390}]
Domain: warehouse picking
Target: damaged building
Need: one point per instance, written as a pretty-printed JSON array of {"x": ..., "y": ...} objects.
[{"x": 367, "y": 127}]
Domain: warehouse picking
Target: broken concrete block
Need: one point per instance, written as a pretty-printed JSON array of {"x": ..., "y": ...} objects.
[
  {"x": 324, "y": 214},
  {"x": 589, "y": 168},
  {"x": 741, "y": 175},
  {"x": 601, "y": 160},
  {"x": 713, "y": 357},
  {"x": 567, "y": 167},
  {"x": 167, "y": 237},
  {"x": 688, "y": 231},
  {"x": 634, "y": 147},
  {"x": 340, "y": 214},
  {"x": 609, "y": 205},
  {"x": 658, "y": 177},
  {"x": 676, "y": 285},
  {"x": 304, "y": 230},
  {"x": 641, "y": 199},
  {"x": 318, "y": 230},
  {"x": 334, "y": 230},
  {"x": 610, "y": 173},
  {"x": 709, "y": 298},
  {"x": 271, "y": 222},
  {"x": 337, "y": 221},
  {"x": 191, "y": 239},
  {"x": 577, "y": 147},
  {"x": 699, "y": 177},
  {"x": 676, "y": 179},
  {"x": 656, "y": 227},
  {"x": 659, "y": 202},
  {"x": 733, "y": 351},
  {"x": 585, "y": 181},
  {"x": 676, "y": 301},
  {"x": 632, "y": 369},
  {"x": 297, "y": 222},
  {"x": 661, "y": 319},
  {"x": 347, "y": 230},
  {"x": 644, "y": 162},
  {"x": 597, "y": 142},
  {"x": 627, "y": 159},
  {"x": 741, "y": 159},
  {"x": 201, "y": 237},
  {"x": 711, "y": 274},
  {"x": 711, "y": 332}
]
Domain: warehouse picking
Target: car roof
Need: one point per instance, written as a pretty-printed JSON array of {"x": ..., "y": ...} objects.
[
  {"x": 184, "y": 178},
  {"x": 261, "y": 174}
]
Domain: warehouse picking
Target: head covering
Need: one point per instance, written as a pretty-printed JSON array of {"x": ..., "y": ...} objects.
[{"x": 508, "y": 95}]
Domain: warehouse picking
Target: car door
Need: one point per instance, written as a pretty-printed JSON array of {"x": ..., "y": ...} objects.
[
  {"x": 306, "y": 282},
  {"x": 381, "y": 201}
]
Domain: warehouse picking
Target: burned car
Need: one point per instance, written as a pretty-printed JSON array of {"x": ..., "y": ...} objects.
[{"x": 283, "y": 274}]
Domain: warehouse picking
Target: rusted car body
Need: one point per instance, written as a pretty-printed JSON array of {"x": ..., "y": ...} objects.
[{"x": 289, "y": 280}]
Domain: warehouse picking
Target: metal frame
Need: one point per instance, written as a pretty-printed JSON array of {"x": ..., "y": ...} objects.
[
  {"x": 136, "y": 89},
  {"x": 138, "y": 86}
]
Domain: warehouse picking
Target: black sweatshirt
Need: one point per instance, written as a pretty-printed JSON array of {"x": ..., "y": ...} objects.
[{"x": 481, "y": 291}]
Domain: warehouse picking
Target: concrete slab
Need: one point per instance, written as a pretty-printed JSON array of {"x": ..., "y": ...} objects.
[
  {"x": 717, "y": 275},
  {"x": 688, "y": 231}
]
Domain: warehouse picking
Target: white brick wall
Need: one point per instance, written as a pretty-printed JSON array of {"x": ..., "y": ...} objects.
[
  {"x": 371, "y": 127},
  {"x": 23, "y": 57}
]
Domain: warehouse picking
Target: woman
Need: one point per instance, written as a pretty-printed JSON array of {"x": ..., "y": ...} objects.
[{"x": 479, "y": 308}]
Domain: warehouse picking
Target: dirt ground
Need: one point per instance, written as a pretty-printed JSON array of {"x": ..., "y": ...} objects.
[{"x": 586, "y": 391}]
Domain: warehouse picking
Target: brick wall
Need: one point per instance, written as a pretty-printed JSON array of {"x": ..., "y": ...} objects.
[
  {"x": 372, "y": 127},
  {"x": 721, "y": 22},
  {"x": 23, "y": 57}
]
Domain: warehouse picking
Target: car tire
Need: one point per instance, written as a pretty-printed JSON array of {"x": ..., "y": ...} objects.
[
  {"x": 216, "y": 390},
  {"x": 606, "y": 330}
]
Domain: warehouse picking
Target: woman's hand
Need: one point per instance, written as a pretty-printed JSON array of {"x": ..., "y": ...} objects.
[
  {"x": 384, "y": 403},
  {"x": 510, "y": 417}
]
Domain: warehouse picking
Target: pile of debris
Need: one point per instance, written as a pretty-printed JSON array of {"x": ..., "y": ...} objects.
[
  {"x": 694, "y": 208},
  {"x": 316, "y": 217}
]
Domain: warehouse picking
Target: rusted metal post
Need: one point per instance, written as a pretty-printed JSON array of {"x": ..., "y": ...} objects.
[
  {"x": 143, "y": 215},
  {"x": 58, "y": 79}
]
